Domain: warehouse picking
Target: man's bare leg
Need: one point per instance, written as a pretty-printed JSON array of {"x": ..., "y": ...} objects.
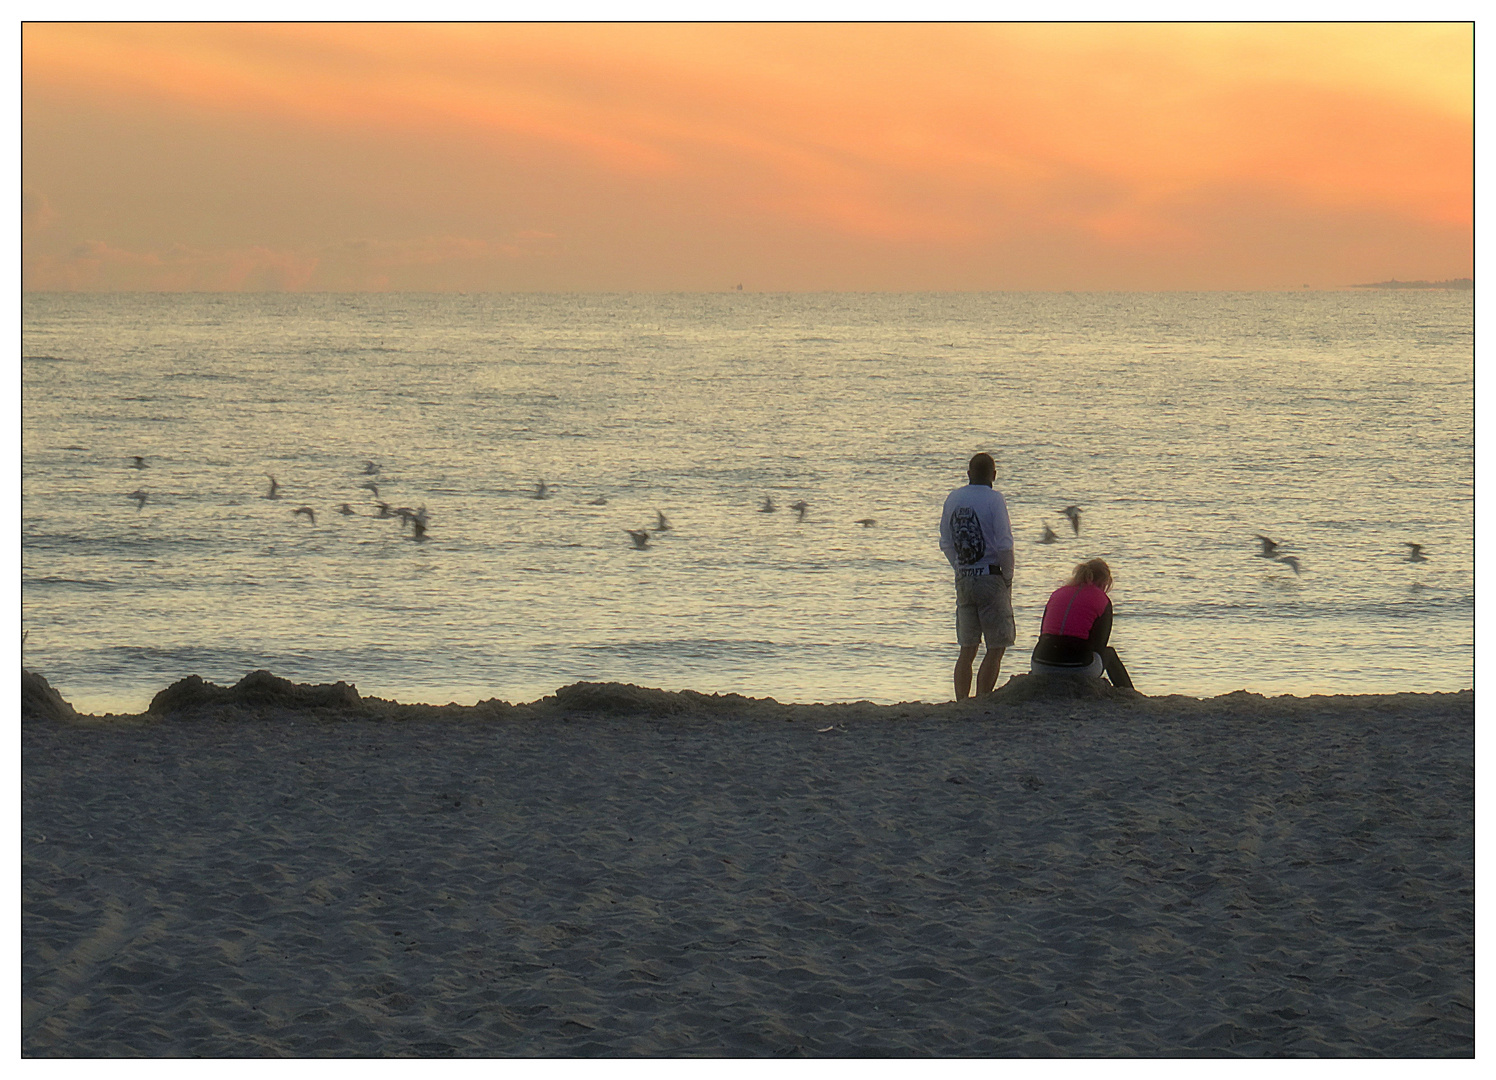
[
  {"x": 987, "y": 674},
  {"x": 963, "y": 671}
]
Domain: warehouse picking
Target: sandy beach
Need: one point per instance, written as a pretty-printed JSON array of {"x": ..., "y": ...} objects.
[{"x": 271, "y": 870}]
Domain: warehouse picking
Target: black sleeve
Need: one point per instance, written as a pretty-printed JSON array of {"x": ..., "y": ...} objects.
[{"x": 1101, "y": 629}]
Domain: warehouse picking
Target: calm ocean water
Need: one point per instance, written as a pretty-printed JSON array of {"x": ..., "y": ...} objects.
[{"x": 1339, "y": 423}]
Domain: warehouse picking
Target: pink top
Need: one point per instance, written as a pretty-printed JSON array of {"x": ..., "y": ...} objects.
[{"x": 1073, "y": 609}]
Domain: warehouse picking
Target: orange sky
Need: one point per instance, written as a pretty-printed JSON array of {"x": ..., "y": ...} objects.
[{"x": 785, "y": 157}]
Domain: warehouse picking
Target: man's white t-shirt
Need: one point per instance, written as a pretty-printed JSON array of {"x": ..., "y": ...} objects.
[{"x": 974, "y": 529}]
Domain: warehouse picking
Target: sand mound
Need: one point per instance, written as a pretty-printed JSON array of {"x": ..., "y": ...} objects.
[
  {"x": 624, "y": 699},
  {"x": 39, "y": 699},
  {"x": 1033, "y": 687},
  {"x": 258, "y": 689}
]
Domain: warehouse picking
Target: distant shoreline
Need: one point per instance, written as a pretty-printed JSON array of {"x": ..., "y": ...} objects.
[{"x": 1450, "y": 283}]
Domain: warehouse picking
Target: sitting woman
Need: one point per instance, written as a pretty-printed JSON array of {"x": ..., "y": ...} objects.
[{"x": 1077, "y": 623}]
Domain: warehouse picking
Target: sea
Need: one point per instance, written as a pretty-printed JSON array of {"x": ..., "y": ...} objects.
[{"x": 1338, "y": 424}]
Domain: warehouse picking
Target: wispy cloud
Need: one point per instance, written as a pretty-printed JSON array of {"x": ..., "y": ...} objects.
[{"x": 906, "y": 144}]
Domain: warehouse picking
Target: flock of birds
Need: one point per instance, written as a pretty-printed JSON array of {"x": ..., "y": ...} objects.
[
  {"x": 1269, "y": 550},
  {"x": 1269, "y": 547},
  {"x": 641, "y": 537},
  {"x": 416, "y": 520}
]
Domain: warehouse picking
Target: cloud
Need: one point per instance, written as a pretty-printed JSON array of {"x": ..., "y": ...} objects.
[
  {"x": 36, "y": 210},
  {"x": 429, "y": 262},
  {"x": 660, "y": 152},
  {"x": 358, "y": 265},
  {"x": 97, "y": 266}
]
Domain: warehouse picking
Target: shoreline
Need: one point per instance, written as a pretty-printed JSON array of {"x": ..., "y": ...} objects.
[{"x": 261, "y": 691}]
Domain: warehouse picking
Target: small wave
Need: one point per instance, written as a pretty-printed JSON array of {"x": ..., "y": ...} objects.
[
  {"x": 683, "y": 648},
  {"x": 80, "y": 582}
]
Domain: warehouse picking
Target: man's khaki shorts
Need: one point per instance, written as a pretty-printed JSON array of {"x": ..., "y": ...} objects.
[{"x": 984, "y": 608}]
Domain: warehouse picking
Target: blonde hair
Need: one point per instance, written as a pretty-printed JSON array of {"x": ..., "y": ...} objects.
[{"x": 1092, "y": 572}]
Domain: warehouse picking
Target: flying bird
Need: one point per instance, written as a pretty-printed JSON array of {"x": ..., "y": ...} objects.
[
  {"x": 415, "y": 518},
  {"x": 1269, "y": 547},
  {"x": 542, "y": 490},
  {"x": 371, "y": 469},
  {"x": 802, "y": 506},
  {"x": 308, "y": 511},
  {"x": 384, "y": 509},
  {"x": 274, "y": 492},
  {"x": 346, "y": 510},
  {"x": 139, "y": 497},
  {"x": 1289, "y": 561},
  {"x": 768, "y": 506},
  {"x": 866, "y": 523},
  {"x": 371, "y": 486},
  {"x": 1049, "y": 536},
  {"x": 660, "y": 523},
  {"x": 1073, "y": 513},
  {"x": 1415, "y": 552},
  {"x": 138, "y": 461},
  {"x": 601, "y": 500},
  {"x": 640, "y": 537}
]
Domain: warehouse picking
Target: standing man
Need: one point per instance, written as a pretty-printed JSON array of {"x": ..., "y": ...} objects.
[{"x": 977, "y": 538}]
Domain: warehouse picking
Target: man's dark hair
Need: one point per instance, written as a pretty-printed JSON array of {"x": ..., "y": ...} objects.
[{"x": 981, "y": 469}]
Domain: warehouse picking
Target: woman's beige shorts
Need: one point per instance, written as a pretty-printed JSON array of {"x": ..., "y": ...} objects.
[{"x": 984, "y": 608}]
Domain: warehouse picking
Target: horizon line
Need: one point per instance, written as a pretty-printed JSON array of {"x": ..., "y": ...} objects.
[{"x": 1391, "y": 285}]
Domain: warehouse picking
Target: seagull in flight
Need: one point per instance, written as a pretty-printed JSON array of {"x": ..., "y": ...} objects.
[
  {"x": 371, "y": 469},
  {"x": 415, "y": 518},
  {"x": 1415, "y": 552},
  {"x": 866, "y": 523},
  {"x": 274, "y": 492},
  {"x": 139, "y": 497},
  {"x": 1269, "y": 547},
  {"x": 640, "y": 537},
  {"x": 369, "y": 485},
  {"x": 346, "y": 510},
  {"x": 802, "y": 506},
  {"x": 1049, "y": 536},
  {"x": 311, "y": 515},
  {"x": 768, "y": 506},
  {"x": 138, "y": 462},
  {"x": 384, "y": 509},
  {"x": 542, "y": 490},
  {"x": 1289, "y": 561},
  {"x": 1073, "y": 513},
  {"x": 660, "y": 523}
]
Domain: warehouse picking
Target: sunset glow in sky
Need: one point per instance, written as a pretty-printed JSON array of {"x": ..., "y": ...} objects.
[{"x": 784, "y": 157}]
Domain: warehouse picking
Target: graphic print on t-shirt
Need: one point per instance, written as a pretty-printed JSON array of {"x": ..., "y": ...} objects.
[{"x": 966, "y": 535}]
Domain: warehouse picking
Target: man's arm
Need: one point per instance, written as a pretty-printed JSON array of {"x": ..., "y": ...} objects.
[
  {"x": 1004, "y": 530},
  {"x": 947, "y": 545}
]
